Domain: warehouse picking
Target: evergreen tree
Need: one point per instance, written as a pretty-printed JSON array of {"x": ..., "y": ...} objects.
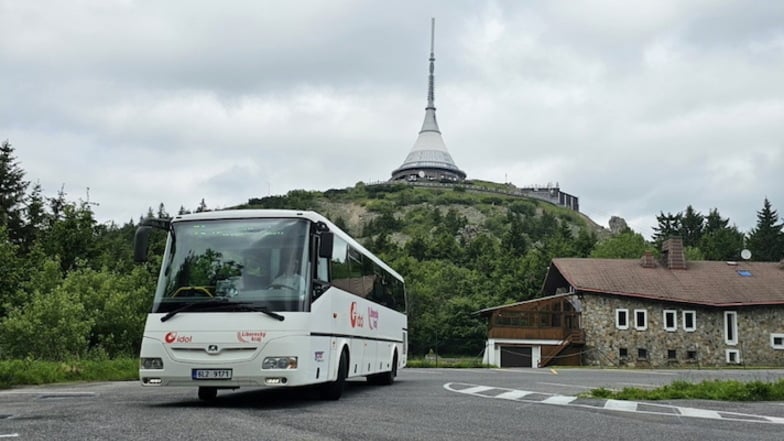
[
  {"x": 669, "y": 225},
  {"x": 35, "y": 217},
  {"x": 722, "y": 244},
  {"x": 766, "y": 240},
  {"x": 162, "y": 214},
  {"x": 202, "y": 206},
  {"x": 73, "y": 238},
  {"x": 12, "y": 193},
  {"x": 585, "y": 242},
  {"x": 515, "y": 240},
  {"x": 692, "y": 227},
  {"x": 714, "y": 221},
  {"x": 57, "y": 205}
]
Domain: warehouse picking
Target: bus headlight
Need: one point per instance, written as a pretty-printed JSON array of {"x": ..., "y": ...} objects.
[
  {"x": 151, "y": 363},
  {"x": 279, "y": 363}
]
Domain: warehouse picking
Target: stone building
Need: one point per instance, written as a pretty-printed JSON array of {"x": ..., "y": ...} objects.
[{"x": 645, "y": 313}]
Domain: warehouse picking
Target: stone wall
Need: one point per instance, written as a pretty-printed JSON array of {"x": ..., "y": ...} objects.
[{"x": 705, "y": 346}]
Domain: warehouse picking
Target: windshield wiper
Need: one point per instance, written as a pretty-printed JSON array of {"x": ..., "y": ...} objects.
[
  {"x": 193, "y": 305},
  {"x": 224, "y": 303},
  {"x": 243, "y": 306}
]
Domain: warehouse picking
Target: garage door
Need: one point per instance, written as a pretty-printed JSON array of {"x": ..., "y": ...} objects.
[{"x": 516, "y": 356}]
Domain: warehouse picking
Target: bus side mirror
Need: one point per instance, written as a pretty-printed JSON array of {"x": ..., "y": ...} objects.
[
  {"x": 325, "y": 245},
  {"x": 140, "y": 242}
]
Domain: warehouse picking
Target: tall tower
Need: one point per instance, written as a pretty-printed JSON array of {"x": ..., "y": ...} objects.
[{"x": 429, "y": 159}]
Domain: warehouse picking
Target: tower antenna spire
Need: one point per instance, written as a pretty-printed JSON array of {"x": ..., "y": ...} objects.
[
  {"x": 429, "y": 158},
  {"x": 431, "y": 79}
]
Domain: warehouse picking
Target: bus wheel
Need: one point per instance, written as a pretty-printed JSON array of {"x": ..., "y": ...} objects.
[
  {"x": 334, "y": 389},
  {"x": 385, "y": 378},
  {"x": 208, "y": 393}
]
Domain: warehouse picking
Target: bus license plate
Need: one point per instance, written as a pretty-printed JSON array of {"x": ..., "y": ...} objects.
[{"x": 211, "y": 374}]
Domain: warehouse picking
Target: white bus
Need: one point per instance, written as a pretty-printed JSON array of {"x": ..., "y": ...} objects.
[{"x": 269, "y": 298}]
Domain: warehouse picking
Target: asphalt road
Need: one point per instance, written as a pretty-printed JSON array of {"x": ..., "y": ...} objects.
[{"x": 424, "y": 404}]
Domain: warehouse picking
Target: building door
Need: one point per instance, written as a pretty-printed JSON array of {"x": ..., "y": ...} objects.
[{"x": 516, "y": 356}]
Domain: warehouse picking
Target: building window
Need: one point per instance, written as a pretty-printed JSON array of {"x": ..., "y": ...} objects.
[
  {"x": 777, "y": 341},
  {"x": 622, "y": 318},
  {"x": 689, "y": 321},
  {"x": 691, "y": 355},
  {"x": 730, "y": 327},
  {"x": 670, "y": 320},
  {"x": 733, "y": 356},
  {"x": 672, "y": 354},
  {"x": 623, "y": 353},
  {"x": 642, "y": 354},
  {"x": 640, "y": 319}
]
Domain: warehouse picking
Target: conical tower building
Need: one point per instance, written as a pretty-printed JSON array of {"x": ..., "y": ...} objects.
[{"x": 429, "y": 159}]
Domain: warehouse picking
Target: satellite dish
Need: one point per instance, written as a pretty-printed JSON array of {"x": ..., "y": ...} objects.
[
  {"x": 745, "y": 254},
  {"x": 421, "y": 174}
]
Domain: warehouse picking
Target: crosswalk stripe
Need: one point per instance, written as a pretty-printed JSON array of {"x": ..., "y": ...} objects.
[
  {"x": 620, "y": 405},
  {"x": 513, "y": 394},
  {"x": 699, "y": 413},
  {"x": 559, "y": 399},
  {"x": 476, "y": 389}
]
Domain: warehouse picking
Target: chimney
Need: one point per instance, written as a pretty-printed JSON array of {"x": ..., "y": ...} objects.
[
  {"x": 672, "y": 253},
  {"x": 647, "y": 260}
]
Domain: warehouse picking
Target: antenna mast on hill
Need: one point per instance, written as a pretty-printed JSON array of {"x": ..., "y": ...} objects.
[
  {"x": 87, "y": 202},
  {"x": 431, "y": 80}
]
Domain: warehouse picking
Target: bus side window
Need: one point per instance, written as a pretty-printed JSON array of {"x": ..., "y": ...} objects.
[
  {"x": 322, "y": 271},
  {"x": 356, "y": 284},
  {"x": 341, "y": 273}
]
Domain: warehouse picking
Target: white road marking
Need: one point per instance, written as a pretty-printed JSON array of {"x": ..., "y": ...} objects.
[
  {"x": 629, "y": 406},
  {"x": 9, "y": 435},
  {"x": 559, "y": 399},
  {"x": 610, "y": 405},
  {"x": 513, "y": 394},
  {"x": 699, "y": 413},
  {"x": 476, "y": 389}
]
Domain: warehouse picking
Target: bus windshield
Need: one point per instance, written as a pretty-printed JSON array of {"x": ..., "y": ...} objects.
[{"x": 261, "y": 262}]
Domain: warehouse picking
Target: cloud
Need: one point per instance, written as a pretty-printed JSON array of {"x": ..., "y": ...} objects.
[{"x": 635, "y": 108}]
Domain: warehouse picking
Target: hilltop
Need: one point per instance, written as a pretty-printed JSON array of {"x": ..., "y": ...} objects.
[
  {"x": 460, "y": 248},
  {"x": 484, "y": 206}
]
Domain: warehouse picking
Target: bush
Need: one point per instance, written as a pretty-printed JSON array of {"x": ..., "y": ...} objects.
[{"x": 53, "y": 326}]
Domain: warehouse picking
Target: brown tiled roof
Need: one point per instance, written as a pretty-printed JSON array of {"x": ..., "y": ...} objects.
[{"x": 703, "y": 282}]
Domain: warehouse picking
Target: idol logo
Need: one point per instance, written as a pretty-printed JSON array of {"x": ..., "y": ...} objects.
[
  {"x": 172, "y": 337},
  {"x": 357, "y": 321},
  {"x": 372, "y": 318}
]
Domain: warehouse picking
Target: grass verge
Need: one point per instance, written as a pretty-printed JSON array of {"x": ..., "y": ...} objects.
[
  {"x": 720, "y": 390},
  {"x": 26, "y": 372},
  {"x": 446, "y": 363}
]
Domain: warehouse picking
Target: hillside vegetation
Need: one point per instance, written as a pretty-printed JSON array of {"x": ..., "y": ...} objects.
[{"x": 459, "y": 251}]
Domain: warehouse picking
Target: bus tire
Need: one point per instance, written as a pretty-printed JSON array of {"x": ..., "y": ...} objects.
[
  {"x": 385, "y": 378},
  {"x": 334, "y": 389},
  {"x": 207, "y": 393}
]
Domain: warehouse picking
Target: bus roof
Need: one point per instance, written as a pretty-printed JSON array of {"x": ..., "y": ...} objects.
[{"x": 302, "y": 214}]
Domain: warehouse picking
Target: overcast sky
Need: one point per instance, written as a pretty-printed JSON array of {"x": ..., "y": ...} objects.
[{"x": 634, "y": 107}]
